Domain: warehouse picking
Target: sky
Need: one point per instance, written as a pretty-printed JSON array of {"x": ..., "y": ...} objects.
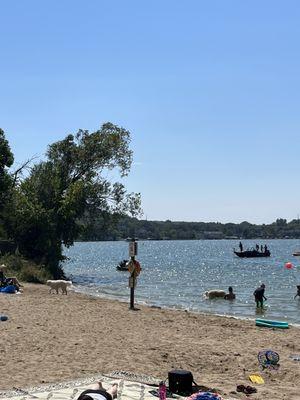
[{"x": 210, "y": 91}]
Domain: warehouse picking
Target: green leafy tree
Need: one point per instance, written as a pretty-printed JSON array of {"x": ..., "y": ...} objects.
[
  {"x": 69, "y": 185},
  {"x": 6, "y": 181},
  {"x": 6, "y": 161}
]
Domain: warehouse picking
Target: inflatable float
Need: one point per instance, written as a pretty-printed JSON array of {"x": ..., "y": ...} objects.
[{"x": 271, "y": 324}]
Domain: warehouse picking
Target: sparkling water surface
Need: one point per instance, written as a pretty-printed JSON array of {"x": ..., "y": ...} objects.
[{"x": 176, "y": 274}]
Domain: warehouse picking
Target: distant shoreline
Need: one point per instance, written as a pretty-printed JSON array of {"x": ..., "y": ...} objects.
[
  {"x": 125, "y": 227},
  {"x": 193, "y": 239}
]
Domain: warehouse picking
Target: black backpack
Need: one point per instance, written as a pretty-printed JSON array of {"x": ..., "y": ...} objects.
[{"x": 180, "y": 381}]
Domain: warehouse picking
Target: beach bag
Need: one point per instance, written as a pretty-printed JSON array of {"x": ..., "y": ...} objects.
[
  {"x": 8, "y": 289},
  {"x": 180, "y": 381}
]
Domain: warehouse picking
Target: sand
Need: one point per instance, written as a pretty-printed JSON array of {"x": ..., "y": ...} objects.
[{"x": 52, "y": 338}]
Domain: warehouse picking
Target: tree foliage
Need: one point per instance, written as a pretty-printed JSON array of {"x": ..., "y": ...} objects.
[
  {"x": 161, "y": 230},
  {"x": 6, "y": 161},
  {"x": 69, "y": 185}
]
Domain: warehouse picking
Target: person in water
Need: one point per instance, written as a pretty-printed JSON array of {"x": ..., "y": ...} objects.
[
  {"x": 97, "y": 392},
  {"x": 230, "y": 295},
  {"x": 298, "y": 291},
  {"x": 259, "y": 295}
]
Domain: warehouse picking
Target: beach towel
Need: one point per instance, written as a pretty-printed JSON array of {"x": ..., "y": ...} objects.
[{"x": 205, "y": 396}]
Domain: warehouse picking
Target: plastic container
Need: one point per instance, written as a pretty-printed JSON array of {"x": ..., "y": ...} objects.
[{"x": 162, "y": 391}]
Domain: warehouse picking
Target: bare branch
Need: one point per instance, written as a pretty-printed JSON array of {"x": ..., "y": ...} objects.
[{"x": 25, "y": 166}]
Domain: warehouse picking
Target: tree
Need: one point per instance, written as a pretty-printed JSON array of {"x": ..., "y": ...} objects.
[
  {"x": 280, "y": 222},
  {"x": 6, "y": 181},
  {"x": 71, "y": 184},
  {"x": 6, "y": 161}
]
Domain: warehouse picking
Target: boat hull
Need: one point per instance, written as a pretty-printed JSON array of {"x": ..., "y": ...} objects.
[
  {"x": 252, "y": 254},
  {"x": 122, "y": 266}
]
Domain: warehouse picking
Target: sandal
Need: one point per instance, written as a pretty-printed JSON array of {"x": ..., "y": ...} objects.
[{"x": 246, "y": 389}]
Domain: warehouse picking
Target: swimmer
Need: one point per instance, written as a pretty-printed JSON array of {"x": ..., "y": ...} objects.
[{"x": 230, "y": 295}]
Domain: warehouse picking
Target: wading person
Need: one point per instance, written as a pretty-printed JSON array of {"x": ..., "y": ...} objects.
[
  {"x": 259, "y": 295},
  {"x": 298, "y": 292}
]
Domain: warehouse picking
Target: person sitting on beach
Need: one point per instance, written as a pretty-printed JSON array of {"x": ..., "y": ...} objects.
[
  {"x": 5, "y": 281},
  {"x": 298, "y": 291},
  {"x": 97, "y": 392},
  {"x": 230, "y": 295},
  {"x": 259, "y": 295}
]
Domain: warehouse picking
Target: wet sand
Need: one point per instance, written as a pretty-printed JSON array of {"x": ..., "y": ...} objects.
[{"x": 52, "y": 338}]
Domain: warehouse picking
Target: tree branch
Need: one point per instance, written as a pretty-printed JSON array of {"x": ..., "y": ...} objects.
[{"x": 24, "y": 166}]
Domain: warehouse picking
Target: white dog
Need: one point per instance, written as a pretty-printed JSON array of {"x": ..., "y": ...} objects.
[
  {"x": 59, "y": 284},
  {"x": 212, "y": 294}
]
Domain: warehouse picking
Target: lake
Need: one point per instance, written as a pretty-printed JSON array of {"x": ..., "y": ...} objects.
[{"x": 175, "y": 274}]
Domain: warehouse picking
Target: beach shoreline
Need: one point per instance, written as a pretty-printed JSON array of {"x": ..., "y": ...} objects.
[
  {"x": 54, "y": 338},
  {"x": 177, "y": 308}
]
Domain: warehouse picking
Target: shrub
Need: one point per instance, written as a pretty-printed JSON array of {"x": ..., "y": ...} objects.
[
  {"x": 25, "y": 270},
  {"x": 33, "y": 274}
]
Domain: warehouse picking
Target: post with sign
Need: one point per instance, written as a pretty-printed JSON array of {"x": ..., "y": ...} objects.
[{"x": 134, "y": 268}]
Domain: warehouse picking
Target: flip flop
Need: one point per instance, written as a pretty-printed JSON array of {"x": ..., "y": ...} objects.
[
  {"x": 246, "y": 389},
  {"x": 256, "y": 378}
]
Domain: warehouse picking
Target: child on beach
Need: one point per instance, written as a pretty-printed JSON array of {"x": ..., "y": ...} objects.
[
  {"x": 298, "y": 291},
  {"x": 97, "y": 392},
  {"x": 259, "y": 295},
  {"x": 230, "y": 295}
]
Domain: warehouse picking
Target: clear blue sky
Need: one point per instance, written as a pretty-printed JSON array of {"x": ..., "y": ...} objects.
[{"x": 209, "y": 89}]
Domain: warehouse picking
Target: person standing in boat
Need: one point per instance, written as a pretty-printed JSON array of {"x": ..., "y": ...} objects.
[
  {"x": 266, "y": 249},
  {"x": 261, "y": 248},
  {"x": 259, "y": 295},
  {"x": 241, "y": 246},
  {"x": 257, "y": 247}
]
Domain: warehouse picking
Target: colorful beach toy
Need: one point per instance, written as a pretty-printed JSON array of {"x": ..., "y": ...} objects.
[{"x": 256, "y": 378}]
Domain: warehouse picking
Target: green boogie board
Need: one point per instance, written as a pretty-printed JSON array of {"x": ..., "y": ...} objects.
[{"x": 271, "y": 324}]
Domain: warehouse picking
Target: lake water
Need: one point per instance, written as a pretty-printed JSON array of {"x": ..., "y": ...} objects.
[{"x": 176, "y": 273}]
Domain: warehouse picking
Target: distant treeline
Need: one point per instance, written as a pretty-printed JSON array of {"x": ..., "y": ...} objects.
[{"x": 111, "y": 228}]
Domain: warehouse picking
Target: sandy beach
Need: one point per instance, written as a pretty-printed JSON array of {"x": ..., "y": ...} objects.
[{"x": 52, "y": 338}]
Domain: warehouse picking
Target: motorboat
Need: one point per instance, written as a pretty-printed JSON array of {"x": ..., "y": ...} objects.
[
  {"x": 252, "y": 253},
  {"x": 122, "y": 266}
]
